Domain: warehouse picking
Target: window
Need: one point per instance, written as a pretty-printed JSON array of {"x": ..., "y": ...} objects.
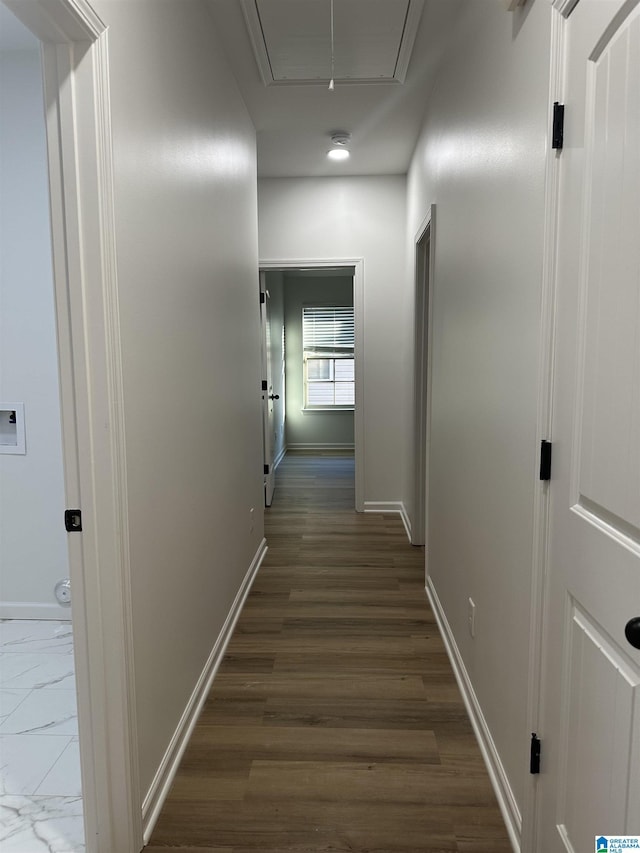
[{"x": 328, "y": 342}]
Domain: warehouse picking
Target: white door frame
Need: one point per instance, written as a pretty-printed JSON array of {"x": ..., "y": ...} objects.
[
  {"x": 358, "y": 311},
  {"x": 423, "y": 300},
  {"x": 76, "y": 86},
  {"x": 546, "y": 355}
]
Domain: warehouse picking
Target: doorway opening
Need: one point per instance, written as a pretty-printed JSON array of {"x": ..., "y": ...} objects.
[
  {"x": 75, "y": 80},
  {"x": 422, "y": 372},
  {"x": 312, "y": 363},
  {"x": 40, "y": 737}
]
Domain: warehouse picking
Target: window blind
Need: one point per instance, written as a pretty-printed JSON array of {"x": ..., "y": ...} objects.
[{"x": 328, "y": 330}]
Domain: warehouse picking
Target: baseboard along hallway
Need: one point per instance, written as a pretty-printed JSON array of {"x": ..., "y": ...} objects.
[{"x": 335, "y": 722}]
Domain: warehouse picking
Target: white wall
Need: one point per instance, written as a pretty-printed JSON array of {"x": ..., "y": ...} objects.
[
  {"x": 274, "y": 280},
  {"x": 185, "y": 207},
  {"x": 481, "y": 160},
  {"x": 33, "y": 547},
  {"x": 311, "y": 428},
  {"x": 348, "y": 218}
]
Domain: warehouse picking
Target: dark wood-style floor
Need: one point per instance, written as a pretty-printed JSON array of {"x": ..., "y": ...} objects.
[{"x": 335, "y": 722}]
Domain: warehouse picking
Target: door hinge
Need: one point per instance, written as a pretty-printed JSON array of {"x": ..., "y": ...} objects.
[
  {"x": 557, "y": 135},
  {"x": 265, "y": 387},
  {"x": 73, "y": 520},
  {"x": 266, "y": 469},
  {"x": 263, "y": 297},
  {"x": 534, "y": 763},
  {"x": 545, "y": 460}
]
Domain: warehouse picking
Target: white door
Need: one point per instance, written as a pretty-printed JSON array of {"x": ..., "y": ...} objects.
[
  {"x": 267, "y": 394},
  {"x": 590, "y": 782}
]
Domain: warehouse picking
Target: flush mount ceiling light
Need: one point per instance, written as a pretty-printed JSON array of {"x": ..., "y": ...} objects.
[{"x": 339, "y": 140}]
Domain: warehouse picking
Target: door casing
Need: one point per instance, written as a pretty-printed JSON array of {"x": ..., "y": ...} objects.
[
  {"x": 424, "y": 267},
  {"x": 76, "y": 85},
  {"x": 358, "y": 308},
  {"x": 546, "y": 350}
]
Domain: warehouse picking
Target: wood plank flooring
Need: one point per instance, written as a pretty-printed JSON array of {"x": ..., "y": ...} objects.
[{"x": 335, "y": 722}]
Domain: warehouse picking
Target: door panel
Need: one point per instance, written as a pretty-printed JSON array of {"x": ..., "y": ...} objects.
[
  {"x": 268, "y": 431},
  {"x": 610, "y": 412},
  {"x": 590, "y": 782},
  {"x": 602, "y": 690}
]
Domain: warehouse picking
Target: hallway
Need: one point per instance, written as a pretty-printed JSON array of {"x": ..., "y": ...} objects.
[{"x": 335, "y": 722}]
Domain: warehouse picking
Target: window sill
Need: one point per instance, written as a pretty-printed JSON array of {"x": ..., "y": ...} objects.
[{"x": 319, "y": 409}]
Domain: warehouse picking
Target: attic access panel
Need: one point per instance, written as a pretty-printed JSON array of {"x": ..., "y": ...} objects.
[{"x": 373, "y": 39}]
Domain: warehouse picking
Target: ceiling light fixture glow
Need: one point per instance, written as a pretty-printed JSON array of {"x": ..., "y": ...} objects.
[{"x": 340, "y": 140}]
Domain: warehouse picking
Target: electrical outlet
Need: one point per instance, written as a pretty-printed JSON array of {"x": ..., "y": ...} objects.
[{"x": 471, "y": 617}]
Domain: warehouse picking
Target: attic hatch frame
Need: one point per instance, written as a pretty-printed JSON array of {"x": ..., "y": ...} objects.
[{"x": 258, "y": 42}]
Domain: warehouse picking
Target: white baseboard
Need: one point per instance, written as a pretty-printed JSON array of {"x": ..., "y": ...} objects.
[
  {"x": 163, "y": 780},
  {"x": 404, "y": 515},
  {"x": 391, "y": 506},
  {"x": 320, "y": 447},
  {"x": 495, "y": 768},
  {"x": 383, "y": 506},
  {"x": 280, "y": 457},
  {"x": 34, "y": 610}
]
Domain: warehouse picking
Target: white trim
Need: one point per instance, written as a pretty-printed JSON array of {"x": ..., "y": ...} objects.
[
  {"x": 422, "y": 370},
  {"x": 404, "y": 515},
  {"x": 35, "y": 610},
  {"x": 254, "y": 28},
  {"x": 546, "y": 356},
  {"x": 391, "y": 506},
  {"x": 111, "y": 481},
  {"x": 358, "y": 305},
  {"x": 320, "y": 447},
  {"x": 165, "y": 775},
  {"x": 383, "y": 506},
  {"x": 280, "y": 457},
  {"x": 495, "y": 769},
  {"x": 323, "y": 410},
  {"x": 59, "y": 21},
  {"x": 256, "y": 36},
  {"x": 76, "y": 82},
  {"x": 412, "y": 22},
  {"x": 565, "y": 7}
]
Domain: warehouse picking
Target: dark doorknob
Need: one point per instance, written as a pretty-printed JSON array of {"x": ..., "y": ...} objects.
[
  {"x": 274, "y": 396},
  {"x": 632, "y": 631}
]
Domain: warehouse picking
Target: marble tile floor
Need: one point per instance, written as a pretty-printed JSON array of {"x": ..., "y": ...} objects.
[{"x": 40, "y": 788}]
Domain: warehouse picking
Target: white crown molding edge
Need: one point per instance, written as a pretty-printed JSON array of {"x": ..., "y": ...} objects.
[
  {"x": 59, "y": 21},
  {"x": 565, "y": 7}
]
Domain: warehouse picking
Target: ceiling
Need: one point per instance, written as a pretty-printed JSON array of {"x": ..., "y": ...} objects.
[
  {"x": 280, "y": 53},
  {"x": 294, "y": 115}
]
